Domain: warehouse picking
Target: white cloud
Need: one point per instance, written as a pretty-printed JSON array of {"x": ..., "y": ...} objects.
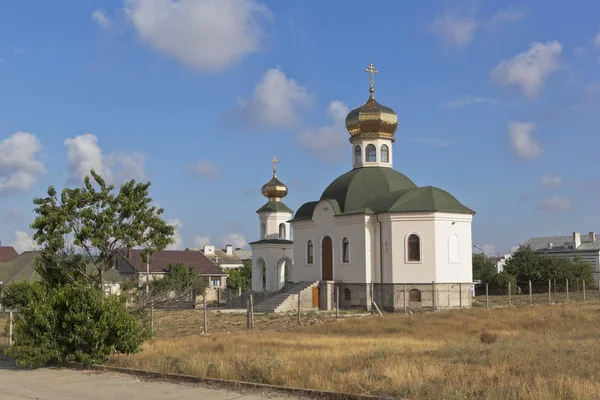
[
  {"x": 467, "y": 101},
  {"x": 529, "y": 69},
  {"x": 101, "y": 18},
  {"x": 549, "y": 181},
  {"x": 19, "y": 163},
  {"x": 556, "y": 203},
  {"x": 204, "y": 169},
  {"x": 237, "y": 240},
  {"x": 23, "y": 242},
  {"x": 177, "y": 238},
  {"x": 487, "y": 248},
  {"x": 327, "y": 141},
  {"x": 84, "y": 154},
  {"x": 507, "y": 15},
  {"x": 275, "y": 103},
  {"x": 454, "y": 28},
  {"x": 522, "y": 140},
  {"x": 201, "y": 240},
  {"x": 596, "y": 40},
  {"x": 207, "y": 35}
]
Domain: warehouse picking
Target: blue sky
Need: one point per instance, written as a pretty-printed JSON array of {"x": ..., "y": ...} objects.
[{"x": 497, "y": 103}]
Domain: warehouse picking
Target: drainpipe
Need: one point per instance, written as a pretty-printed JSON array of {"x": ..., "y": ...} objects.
[{"x": 380, "y": 261}]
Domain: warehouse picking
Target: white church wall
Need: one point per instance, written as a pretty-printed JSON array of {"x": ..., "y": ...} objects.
[
  {"x": 272, "y": 257},
  {"x": 271, "y": 221},
  {"x": 453, "y": 264},
  {"x": 403, "y": 225},
  {"x": 326, "y": 224}
]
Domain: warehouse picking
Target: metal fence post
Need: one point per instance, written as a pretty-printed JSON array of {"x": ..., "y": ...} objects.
[
  {"x": 205, "y": 318},
  {"x": 299, "y": 320},
  {"x": 509, "y": 294},
  {"x": 530, "y": 295},
  {"x": 337, "y": 301},
  {"x": 459, "y": 295},
  {"x": 567, "y": 290},
  {"x": 404, "y": 296},
  {"x": 583, "y": 290},
  {"x": 10, "y": 328},
  {"x": 248, "y": 313},
  {"x": 433, "y": 294},
  {"x": 251, "y": 311},
  {"x": 487, "y": 299},
  {"x": 549, "y": 291}
]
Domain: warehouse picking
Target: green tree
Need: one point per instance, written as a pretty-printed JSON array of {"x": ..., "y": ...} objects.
[
  {"x": 73, "y": 322},
  {"x": 179, "y": 282},
  {"x": 240, "y": 277},
  {"x": 483, "y": 268},
  {"x": 100, "y": 223},
  {"x": 17, "y": 294}
]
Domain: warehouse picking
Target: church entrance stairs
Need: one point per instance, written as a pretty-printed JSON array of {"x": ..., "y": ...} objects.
[{"x": 288, "y": 300}]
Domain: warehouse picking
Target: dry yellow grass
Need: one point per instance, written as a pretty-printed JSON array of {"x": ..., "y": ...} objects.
[{"x": 542, "y": 352}]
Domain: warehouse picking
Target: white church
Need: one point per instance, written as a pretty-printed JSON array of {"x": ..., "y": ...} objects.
[{"x": 373, "y": 236}]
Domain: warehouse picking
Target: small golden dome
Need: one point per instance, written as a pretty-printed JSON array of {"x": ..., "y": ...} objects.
[
  {"x": 372, "y": 120},
  {"x": 274, "y": 190}
]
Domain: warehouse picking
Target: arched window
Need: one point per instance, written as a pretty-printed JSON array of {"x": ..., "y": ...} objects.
[
  {"x": 347, "y": 295},
  {"x": 385, "y": 153},
  {"x": 413, "y": 245},
  {"x": 282, "y": 231},
  {"x": 345, "y": 250},
  {"x": 309, "y": 252},
  {"x": 414, "y": 295},
  {"x": 263, "y": 230},
  {"x": 371, "y": 153},
  {"x": 357, "y": 155}
]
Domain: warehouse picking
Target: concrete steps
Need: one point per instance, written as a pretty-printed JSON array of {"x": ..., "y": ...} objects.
[{"x": 285, "y": 301}]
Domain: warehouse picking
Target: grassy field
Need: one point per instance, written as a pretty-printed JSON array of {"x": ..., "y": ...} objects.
[{"x": 541, "y": 352}]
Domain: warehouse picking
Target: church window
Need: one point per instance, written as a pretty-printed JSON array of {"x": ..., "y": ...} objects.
[
  {"x": 345, "y": 250},
  {"x": 414, "y": 295},
  {"x": 309, "y": 252},
  {"x": 347, "y": 295},
  {"x": 357, "y": 155},
  {"x": 282, "y": 231},
  {"x": 371, "y": 153},
  {"x": 385, "y": 153},
  {"x": 263, "y": 229},
  {"x": 414, "y": 248}
]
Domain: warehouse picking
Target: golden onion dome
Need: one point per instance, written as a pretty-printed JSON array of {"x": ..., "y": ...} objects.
[
  {"x": 372, "y": 120},
  {"x": 274, "y": 190}
]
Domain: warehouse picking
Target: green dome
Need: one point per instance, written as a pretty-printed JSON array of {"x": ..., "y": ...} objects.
[{"x": 356, "y": 188}]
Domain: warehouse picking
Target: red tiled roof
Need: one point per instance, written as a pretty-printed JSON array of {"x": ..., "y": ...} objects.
[
  {"x": 7, "y": 253},
  {"x": 160, "y": 261}
]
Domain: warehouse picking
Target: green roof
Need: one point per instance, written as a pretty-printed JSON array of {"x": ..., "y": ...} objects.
[
  {"x": 273, "y": 241},
  {"x": 354, "y": 189},
  {"x": 21, "y": 269},
  {"x": 275, "y": 206},
  {"x": 382, "y": 190}
]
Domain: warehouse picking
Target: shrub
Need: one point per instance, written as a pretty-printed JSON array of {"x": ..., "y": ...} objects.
[
  {"x": 17, "y": 294},
  {"x": 488, "y": 337},
  {"x": 73, "y": 323}
]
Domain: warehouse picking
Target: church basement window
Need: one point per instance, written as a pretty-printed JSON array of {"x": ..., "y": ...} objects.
[
  {"x": 309, "y": 252},
  {"x": 414, "y": 248},
  {"x": 414, "y": 296},
  {"x": 371, "y": 153},
  {"x": 385, "y": 153},
  {"x": 347, "y": 295},
  {"x": 345, "y": 250}
]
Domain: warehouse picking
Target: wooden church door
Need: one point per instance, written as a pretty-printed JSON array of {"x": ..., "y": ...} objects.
[{"x": 327, "y": 259}]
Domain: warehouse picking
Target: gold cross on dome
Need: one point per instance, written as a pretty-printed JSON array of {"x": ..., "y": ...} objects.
[
  {"x": 371, "y": 70},
  {"x": 274, "y": 160}
]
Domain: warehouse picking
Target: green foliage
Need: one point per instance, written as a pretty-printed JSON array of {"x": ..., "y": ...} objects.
[
  {"x": 483, "y": 268},
  {"x": 16, "y": 295},
  {"x": 527, "y": 265},
  {"x": 180, "y": 281},
  {"x": 73, "y": 322},
  {"x": 100, "y": 223},
  {"x": 240, "y": 277},
  {"x": 501, "y": 281}
]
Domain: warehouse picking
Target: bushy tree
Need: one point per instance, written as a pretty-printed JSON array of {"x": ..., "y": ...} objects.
[
  {"x": 100, "y": 224},
  {"x": 73, "y": 322},
  {"x": 240, "y": 277},
  {"x": 181, "y": 282},
  {"x": 483, "y": 268},
  {"x": 17, "y": 294}
]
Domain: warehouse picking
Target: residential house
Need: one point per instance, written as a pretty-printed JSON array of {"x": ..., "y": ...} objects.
[
  {"x": 7, "y": 253},
  {"x": 131, "y": 265},
  {"x": 586, "y": 247},
  {"x": 243, "y": 254},
  {"x": 225, "y": 258}
]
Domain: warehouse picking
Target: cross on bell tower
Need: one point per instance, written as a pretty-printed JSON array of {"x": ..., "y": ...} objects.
[{"x": 372, "y": 71}]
